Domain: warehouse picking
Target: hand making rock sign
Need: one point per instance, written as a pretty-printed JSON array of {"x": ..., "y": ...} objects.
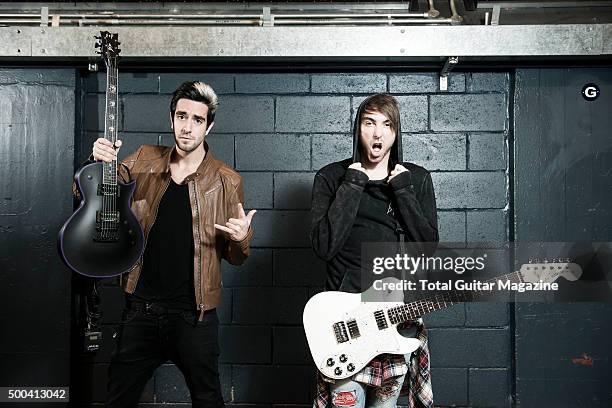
[{"x": 237, "y": 228}]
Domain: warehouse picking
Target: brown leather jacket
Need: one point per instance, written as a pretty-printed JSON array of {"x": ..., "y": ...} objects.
[{"x": 214, "y": 191}]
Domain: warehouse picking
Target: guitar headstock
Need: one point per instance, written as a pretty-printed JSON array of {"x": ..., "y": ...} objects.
[
  {"x": 549, "y": 272},
  {"x": 108, "y": 44}
]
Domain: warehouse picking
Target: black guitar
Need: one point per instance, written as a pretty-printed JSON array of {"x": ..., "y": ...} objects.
[{"x": 103, "y": 237}]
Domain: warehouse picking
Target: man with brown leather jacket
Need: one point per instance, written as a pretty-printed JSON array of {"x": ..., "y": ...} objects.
[{"x": 189, "y": 205}]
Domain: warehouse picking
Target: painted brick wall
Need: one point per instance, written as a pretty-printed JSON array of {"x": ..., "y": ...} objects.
[{"x": 277, "y": 130}]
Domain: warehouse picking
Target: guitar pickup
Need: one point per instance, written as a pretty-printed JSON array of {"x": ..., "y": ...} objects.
[
  {"x": 111, "y": 217},
  {"x": 340, "y": 332},
  {"x": 108, "y": 190},
  {"x": 381, "y": 322},
  {"x": 353, "y": 328}
]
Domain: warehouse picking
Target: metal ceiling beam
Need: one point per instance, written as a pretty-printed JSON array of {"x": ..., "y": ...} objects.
[
  {"x": 557, "y": 41},
  {"x": 204, "y": 6}
]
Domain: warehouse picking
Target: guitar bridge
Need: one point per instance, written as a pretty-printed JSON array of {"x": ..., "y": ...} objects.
[{"x": 107, "y": 226}]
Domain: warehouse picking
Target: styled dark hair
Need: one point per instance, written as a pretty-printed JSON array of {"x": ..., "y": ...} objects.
[
  {"x": 199, "y": 92},
  {"x": 388, "y": 106},
  {"x": 385, "y": 104}
]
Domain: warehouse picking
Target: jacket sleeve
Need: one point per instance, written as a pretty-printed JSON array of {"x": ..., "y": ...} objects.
[
  {"x": 333, "y": 212},
  {"x": 417, "y": 210},
  {"x": 236, "y": 252}
]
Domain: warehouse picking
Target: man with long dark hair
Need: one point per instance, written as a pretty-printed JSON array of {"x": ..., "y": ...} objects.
[{"x": 373, "y": 197}]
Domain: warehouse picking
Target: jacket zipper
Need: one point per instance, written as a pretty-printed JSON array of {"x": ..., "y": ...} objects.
[{"x": 197, "y": 241}]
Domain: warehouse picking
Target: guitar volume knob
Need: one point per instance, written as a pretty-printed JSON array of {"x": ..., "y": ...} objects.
[
  {"x": 343, "y": 358},
  {"x": 338, "y": 371},
  {"x": 350, "y": 367},
  {"x": 330, "y": 362}
]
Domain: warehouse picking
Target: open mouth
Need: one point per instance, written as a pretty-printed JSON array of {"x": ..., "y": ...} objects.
[{"x": 377, "y": 147}]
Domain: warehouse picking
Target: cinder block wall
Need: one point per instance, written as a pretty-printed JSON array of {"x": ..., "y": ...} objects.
[{"x": 277, "y": 130}]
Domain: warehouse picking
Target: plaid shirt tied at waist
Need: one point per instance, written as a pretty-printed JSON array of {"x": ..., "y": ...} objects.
[{"x": 417, "y": 385}]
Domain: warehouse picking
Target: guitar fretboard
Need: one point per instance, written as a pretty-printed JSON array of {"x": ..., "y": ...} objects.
[
  {"x": 109, "y": 175},
  {"x": 413, "y": 310}
]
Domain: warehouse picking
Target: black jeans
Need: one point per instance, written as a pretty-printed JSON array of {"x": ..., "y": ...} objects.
[{"x": 146, "y": 339}]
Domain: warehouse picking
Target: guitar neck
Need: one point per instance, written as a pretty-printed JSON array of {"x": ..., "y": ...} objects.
[
  {"x": 109, "y": 176},
  {"x": 413, "y": 310}
]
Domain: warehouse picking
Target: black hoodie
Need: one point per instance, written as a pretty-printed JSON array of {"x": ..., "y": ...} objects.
[{"x": 336, "y": 199}]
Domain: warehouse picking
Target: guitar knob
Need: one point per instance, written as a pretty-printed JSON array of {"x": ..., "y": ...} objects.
[
  {"x": 330, "y": 362},
  {"x": 343, "y": 358},
  {"x": 350, "y": 367},
  {"x": 338, "y": 371}
]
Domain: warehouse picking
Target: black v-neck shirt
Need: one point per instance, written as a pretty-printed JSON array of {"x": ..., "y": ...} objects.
[{"x": 167, "y": 272}]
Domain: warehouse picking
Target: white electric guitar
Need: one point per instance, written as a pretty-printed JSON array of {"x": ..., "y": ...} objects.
[{"x": 344, "y": 332}]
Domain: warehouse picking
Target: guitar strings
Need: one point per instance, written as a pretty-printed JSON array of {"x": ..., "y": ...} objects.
[
  {"x": 109, "y": 178},
  {"x": 114, "y": 140},
  {"x": 420, "y": 307},
  {"x": 105, "y": 166}
]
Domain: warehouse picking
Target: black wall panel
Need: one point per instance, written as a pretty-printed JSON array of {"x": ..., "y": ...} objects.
[
  {"x": 37, "y": 125},
  {"x": 563, "y": 192}
]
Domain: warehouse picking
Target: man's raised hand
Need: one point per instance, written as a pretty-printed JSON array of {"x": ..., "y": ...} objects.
[
  {"x": 358, "y": 166},
  {"x": 237, "y": 228},
  {"x": 397, "y": 170}
]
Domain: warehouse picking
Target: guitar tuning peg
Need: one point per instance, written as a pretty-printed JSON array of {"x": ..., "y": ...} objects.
[{"x": 530, "y": 260}]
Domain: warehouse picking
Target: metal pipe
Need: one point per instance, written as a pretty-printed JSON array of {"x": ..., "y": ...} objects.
[
  {"x": 351, "y": 15},
  {"x": 432, "y": 10},
  {"x": 227, "y": 19},
  {"x": 198, "y": 6},
  {"x": 404, "y": 21},
  {"x": 456, "y": 18},
  {"x": 217, "y": 16},
  {"x": 544, "y": 4}
]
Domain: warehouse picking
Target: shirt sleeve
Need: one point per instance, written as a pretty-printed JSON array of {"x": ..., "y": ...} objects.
[
  {"x": 333, "y": 212},
  {"x": 418, "y": 210}
]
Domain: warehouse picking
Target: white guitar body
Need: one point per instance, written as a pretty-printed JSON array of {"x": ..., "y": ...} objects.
[
  {"x": 345, "y": 333},
  {"x": 341, "y": 360}
]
